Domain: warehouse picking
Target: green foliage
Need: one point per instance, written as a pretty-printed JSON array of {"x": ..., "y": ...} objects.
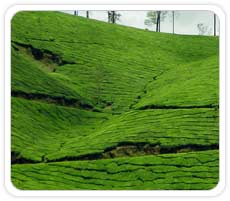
[
  {"x": 195, "y": 170},
  {"x": 46, "y": 128},
  {"x": 192, "y": 84},
  {"x": 108, "y": 58},
  {"x": 124, "y": 73},
  {"x": 75, "y": 132},
  {"x": 27, "y": 76},
  {"x": 153, "y": 16}
]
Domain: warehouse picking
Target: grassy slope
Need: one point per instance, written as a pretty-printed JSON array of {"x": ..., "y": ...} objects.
[
  {"x": 116, "y": 69},
  {"x": 179, "y": 171},
  {"x": 75, "y": 132},
  {"x": 48, "y": 127},
  {"x": 181, "y": 87},
  {"x": 113, "y": 59},
  {"x": 28, "y": 77}
]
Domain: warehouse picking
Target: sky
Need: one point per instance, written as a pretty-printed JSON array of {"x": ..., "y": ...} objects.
[{"x": 185, "y": 21}]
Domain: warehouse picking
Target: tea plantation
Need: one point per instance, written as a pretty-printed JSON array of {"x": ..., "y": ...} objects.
[{"x": 103, "y": 106}]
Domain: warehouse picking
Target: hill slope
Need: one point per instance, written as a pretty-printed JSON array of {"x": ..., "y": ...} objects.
[{"x": 88, "y": 90}]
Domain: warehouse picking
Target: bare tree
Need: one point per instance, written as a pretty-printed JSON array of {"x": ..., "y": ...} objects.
[
  {"x": 203, "y": 29},
  {"x": 155, "y": 18},
  {"x": 113, "y": 16}
]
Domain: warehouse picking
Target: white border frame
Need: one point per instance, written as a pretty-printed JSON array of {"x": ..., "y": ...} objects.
[{"x": 13, "y": 190}]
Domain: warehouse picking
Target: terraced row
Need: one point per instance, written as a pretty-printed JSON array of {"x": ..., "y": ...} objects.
[
  {"x": 107, "y": 59},
  {"x": 53, "y": 132},
  {"x": 133, "y": 99},
  {"x": 183, "y": 87},
  {"x": 196, "y": 170}
]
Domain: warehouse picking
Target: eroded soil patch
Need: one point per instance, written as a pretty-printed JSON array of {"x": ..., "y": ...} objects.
[{"x": 125, "y": 149}]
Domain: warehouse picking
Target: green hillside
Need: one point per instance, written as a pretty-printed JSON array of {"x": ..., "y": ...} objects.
[
  {"x": 167, "y": 171},
  {"x": 93, "y": 101}
]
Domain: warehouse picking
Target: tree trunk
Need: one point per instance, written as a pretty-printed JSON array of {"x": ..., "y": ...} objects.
[
  {"x": 159, "y": 22},
  {"x": 173, "y": 22},
  {"x": 87, "y": 14},
  {"x": 214, "y": 25},
  {"x": 109, "y": 15},
  {"x": 159, "y": 28},
  {"x": 113, "y": 17}
]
